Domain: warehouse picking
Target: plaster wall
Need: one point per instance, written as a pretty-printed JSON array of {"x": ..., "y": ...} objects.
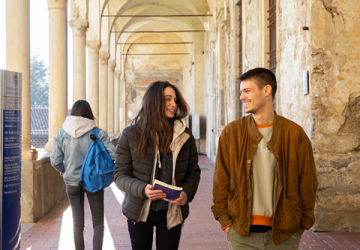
[
  {"x": 198, "y": 89},
  {"x": 335, "y": 109},
  {"x": 227, "y": 52},
  {"x": 329, "y": 114},
  {"x": 252, "y": 34},
  {"x": 187, "y": 84},
  {"x": 221, "y": 72},
  {"x": 207, "y": 89},
  {"x": 293, "y": 56}
]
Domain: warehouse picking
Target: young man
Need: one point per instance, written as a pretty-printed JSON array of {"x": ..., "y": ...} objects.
[{"x": 265, "y": 176}]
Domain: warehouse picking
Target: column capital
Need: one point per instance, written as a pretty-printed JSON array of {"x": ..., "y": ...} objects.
[
  {"x": 117, "y": 74},
  {"x": 111, "y": 65},
  {"x": 93, "y": 45},
  {"x": 104, "y": 57},
  {"x": 78, "y": 27},
  {"x": 57, "y": 4}
]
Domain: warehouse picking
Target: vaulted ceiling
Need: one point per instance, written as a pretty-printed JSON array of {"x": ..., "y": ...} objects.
[{"x": 106, "y": 25}]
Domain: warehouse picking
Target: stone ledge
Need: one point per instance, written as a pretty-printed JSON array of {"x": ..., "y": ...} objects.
[{"x": 42, "y": 189}]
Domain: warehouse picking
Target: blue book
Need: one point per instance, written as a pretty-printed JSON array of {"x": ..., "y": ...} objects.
[{"x": 172, "y": 192}]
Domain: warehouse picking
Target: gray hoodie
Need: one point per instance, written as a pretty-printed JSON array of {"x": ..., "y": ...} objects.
[{"x": 71, "y": 144}]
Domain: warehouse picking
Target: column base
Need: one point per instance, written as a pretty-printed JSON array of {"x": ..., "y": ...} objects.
[{"x": 27, "y": 191}]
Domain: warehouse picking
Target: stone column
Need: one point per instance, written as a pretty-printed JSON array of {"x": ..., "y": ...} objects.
[
  {"x": 111, "y": 94},
  {"x": 122, "y": 103},
  {"x": 18, "y": 59},
  {"x": 57, "y": 68},
  {"x": 79, "y": 66},
  {"x": 103, "y": 90},
  {"x": 117, "y": 103},
  {"x": 93, "y": 77}
]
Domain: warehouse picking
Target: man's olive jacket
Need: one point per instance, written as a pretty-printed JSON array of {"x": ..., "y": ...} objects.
[{"x": 296, "y": 181}]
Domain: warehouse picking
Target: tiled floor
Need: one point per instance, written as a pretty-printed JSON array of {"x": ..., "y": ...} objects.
[{"x": 201, "y": 231}]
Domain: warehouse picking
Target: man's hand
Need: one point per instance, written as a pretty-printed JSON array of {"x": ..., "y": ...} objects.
[
  {"x": 153, "y": 194},
  {"x": 181, "y": 200},
  {"x": 226, "y": 230}
]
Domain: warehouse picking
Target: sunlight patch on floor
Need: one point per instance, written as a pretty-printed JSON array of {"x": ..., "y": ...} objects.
[
  {"x": 108, "y": 239},
  {"x": 66, "y": 240}
]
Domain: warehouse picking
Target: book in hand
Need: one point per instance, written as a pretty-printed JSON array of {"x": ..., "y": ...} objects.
[{"x": 172, "y": 192}]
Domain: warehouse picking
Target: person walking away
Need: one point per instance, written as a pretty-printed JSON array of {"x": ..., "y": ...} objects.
[
  {"x": 71, "y": 144},
  {"x": 159, "y": 146},
  {"x": 265, "y": 180}
]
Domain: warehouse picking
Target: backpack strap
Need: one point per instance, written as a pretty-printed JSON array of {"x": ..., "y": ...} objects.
[{"x": 96, "y": 132}]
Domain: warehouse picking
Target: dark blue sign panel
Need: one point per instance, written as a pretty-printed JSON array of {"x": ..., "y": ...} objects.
[{"x": 11, "y": 160}]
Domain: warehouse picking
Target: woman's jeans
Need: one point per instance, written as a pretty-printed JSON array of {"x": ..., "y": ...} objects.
[
  {"x": 96, "y": 201},
  {"x": 141, "y": 233}
]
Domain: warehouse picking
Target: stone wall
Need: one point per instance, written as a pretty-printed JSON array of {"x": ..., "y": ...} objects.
[
  {"x": 335, "y": 93},
  {"x": 42, "y": 189},
  {"x": 321, "y": 36}
]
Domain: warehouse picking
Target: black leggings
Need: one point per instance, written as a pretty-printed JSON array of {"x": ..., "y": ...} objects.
[
  {"x": 96, "y": 201},
  {"x": 141, "y": 233}
]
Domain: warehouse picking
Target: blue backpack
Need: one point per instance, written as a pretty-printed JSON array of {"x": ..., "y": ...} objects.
[{"x": 97, "y": 169}]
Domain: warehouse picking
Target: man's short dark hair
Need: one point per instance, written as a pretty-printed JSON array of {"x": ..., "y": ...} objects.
[{"x": 262, "y": 78}]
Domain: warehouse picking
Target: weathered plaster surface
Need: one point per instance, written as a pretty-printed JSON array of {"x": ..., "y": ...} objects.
[
  {"x": 330, "y": 113},
  {"x": 335, "y": 108},
  {"x": 253, "y": 41},
  {"x": 293, "y": 56}
]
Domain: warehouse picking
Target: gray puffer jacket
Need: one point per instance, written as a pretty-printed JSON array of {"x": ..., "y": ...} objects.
[{"x": 133, "y": 173}]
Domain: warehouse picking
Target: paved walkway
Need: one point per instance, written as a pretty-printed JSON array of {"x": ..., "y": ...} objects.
[{"x": 201, "y": 231}]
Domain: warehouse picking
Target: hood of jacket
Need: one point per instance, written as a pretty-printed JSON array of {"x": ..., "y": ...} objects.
[
  {"x": 77, "y": 126},
  {"x": 179, "y": 128}
]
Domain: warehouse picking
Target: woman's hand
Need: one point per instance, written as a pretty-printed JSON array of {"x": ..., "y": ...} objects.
[
  {"x": 153, "y": 194},
  {"x": 181, "y": 200}
]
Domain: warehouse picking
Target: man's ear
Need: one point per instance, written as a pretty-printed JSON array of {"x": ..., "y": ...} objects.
[{"x": 268, "y": 90}]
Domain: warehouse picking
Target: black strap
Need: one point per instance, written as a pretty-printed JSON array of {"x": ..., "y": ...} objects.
[{"x": 81, "y": 195}]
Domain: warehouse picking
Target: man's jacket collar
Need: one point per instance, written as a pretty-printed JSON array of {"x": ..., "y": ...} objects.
[{"x": 256, "y": 135}]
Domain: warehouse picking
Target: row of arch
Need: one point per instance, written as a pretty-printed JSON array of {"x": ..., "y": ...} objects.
[{"x": 105, "y": 25}]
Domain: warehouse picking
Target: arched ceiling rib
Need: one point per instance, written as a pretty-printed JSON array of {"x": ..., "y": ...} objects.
[
  {"x": 146, "y": 61},
  {"x": 150, "y": 7},
  {"x": 124, "y": 23},
  {"x": 104, "y": 33},
  {"x": 186, "y": 48}
]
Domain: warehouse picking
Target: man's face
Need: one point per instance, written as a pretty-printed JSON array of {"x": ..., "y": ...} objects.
[{"x": 254, "y": 99}]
